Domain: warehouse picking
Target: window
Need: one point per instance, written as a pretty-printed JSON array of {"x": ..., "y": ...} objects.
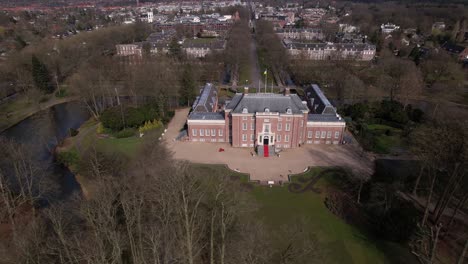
[
  {"x": 278, "y": 138},
  {"x": 288, "y": 111},
  {"x": 245, "y": 110},
  {"x": 329, "y": 134},
  {"x": 244, "y": 137},
  {"x": 267, "y": 110},
  {"x": 244, "y": 118},
  {"x": 194, "y": 132},
  {"x": 252, "y": 136},
  {"x": 317, "y": 134},
  {"x": 266, "y": 128},
  {"x": 213, "y": 132},
  {"x": 324, "y": 133},
  {"x": 288, "y": 127},
  {"x": 244, "y": 126},
  {"x": 252, "y": 126},
  {"x": 280, "y": 126},
  {"x": 207, "y": 132},
  {"x": 309, "y": 134},
  {"x": 266, "y": 120},
  {"x": 286, "y": 138},
  {"x": 337, "y": 134},
  {"x": 220, "y": 132},
  {"x": 202, "y": 132}
]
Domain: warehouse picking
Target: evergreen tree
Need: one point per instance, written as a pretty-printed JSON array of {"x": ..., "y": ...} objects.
[
  {"x": 175, "y": 49},
  {"x": 187, "y": 86},
  {"x": 41, "y": 75}
]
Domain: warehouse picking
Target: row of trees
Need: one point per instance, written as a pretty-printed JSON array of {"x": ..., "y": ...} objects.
[
  {"x": 271, "y": 51},
  {"x": 152, "y": 210}
]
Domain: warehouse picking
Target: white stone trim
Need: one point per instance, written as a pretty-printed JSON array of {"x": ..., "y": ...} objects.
[
  {"x": 326, "y": 124},
  {"x": 206, "y": 122}
]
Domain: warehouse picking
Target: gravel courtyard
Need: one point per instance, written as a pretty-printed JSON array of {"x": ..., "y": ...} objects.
[{"x": 274, "y": 168}]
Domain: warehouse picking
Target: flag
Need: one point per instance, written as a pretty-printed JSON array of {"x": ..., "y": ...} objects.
[{"x": 265, "y": 72}]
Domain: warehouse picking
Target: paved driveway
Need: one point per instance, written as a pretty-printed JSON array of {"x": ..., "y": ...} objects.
[{"x": 291, "y": 161}]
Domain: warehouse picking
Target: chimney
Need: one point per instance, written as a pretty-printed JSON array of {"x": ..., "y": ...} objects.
[
  {"x": 287, "y": 91},
  {"x": 246, "y": 90}
]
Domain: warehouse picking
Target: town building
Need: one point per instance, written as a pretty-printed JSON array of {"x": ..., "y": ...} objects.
[
  {"x": 389, "y": 28},
  {"x": 300, "y": 33},
  {"x": 265, "y": 121},
  {"x": 330, "y": 51}
]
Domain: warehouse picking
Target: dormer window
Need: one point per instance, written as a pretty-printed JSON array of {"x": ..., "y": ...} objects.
[
  {"x": 245, "y": 110},
  {"x": 288, "y": 111},
  {"x": 267, "y": 110}
]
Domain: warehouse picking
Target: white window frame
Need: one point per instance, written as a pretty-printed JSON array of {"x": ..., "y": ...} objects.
[
  {"x": 194, "y": 132},
  {"x": 279, "y": 127},
  {"x": 202, "y": 132},
  {"x": 337, "y": 134},
  {"x": 317, "y": 134},
  {"x": 207, "y": 132},
  {"x": 286, "y": 138},
  {"x": 278, "y": 138},
  {"x": 252, "y": 126},
  {"x": 220, "y": 132},
  {"x": 213, "y": 132},
  {"x": 244, "y": 126},
  {"x": 324, "y": 134},
  {"x": 329, "y": 134},
  {"x": 244, "y": 137},
  {"x": 309, "y": 134},
  {"x": 288, "y": 127},
  {"x": 252, "y": 137}
]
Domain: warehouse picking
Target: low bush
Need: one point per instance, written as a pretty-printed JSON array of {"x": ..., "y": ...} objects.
[
  {"x": 150, "y": 125},
  {"x": 73, "y": 132},
  {"x": 68, "y": 158},
  {"x": 61, "y": 93},
  {"x": 125, "y": 133}
]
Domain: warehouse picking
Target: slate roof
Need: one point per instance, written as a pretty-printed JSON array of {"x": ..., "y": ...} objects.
[
  {"x": 207, "y": 99},
  {"x": 206, "y": 116},
  {"x": 324, "y": 118},
  {"x": 317, "y": 101},
  {"x": 274, "y": 102}
]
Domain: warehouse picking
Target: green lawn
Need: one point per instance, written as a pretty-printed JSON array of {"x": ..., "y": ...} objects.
[
  {"x": 340, "y": 242},
  {"x": 127, "y": 146}
]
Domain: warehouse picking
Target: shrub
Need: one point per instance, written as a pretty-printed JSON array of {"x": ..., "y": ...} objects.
[
  {"x": 125, "y": 133},
  {"x": 100, "y": 129},
  {"x": 112, "y": 118},
  {"x": 61, "y": 93},
  {"x": 134, "y": 117},
  {"x": 150, "y": 125},
  {"x": 73, "y": 132},
  {"x": 68, "y": 158}
]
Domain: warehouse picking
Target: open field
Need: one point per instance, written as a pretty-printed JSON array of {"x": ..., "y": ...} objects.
[{"x": 339, "y": 241}]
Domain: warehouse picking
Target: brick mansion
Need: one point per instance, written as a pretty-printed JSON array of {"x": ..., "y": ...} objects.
[{"x": 265, "y": 121}]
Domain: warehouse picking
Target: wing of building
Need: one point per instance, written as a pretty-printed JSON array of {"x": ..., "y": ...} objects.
[{"x": 266, "y": 119}]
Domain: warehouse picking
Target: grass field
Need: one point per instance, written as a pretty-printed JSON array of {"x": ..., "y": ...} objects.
[{"x": 339, "y": 242}]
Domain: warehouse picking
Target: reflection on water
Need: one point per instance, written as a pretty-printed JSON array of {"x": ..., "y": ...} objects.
[{"x": 43, "y": 131}]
